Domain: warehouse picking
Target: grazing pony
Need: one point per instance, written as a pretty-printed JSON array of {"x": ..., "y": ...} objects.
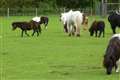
[
  {"x": 25, "y": 26},
  {"x": 42, "y": 20},
  {"x": 112, "y": 55},
  {"x": 97, "y": 26},
  {"x": 85, "y": 22},
  {"x": 73, "y": 20},
  {"x": 114, "y": 20},
  {"x": 64, "y": 21}
]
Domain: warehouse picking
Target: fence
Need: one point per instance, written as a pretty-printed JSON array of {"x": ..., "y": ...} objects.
[
  {"x": 108, "y": 8},
  {"x": 36, "y": 11},
  {"x": 112, "y": 7},
  {"x": 23, "y": 12}
]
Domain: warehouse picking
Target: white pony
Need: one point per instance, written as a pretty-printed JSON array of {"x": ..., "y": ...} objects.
[
  {"x": 36, "y": 19},
  {"x": 74, "y": 19}
]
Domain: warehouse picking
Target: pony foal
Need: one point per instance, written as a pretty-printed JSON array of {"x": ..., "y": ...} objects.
[{"x": 97, "y": 26}]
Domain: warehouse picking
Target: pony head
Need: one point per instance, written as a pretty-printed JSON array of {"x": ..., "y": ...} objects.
[
  {"x": 112, "y": 54},
  {"x": 14, "y": 26},
  {"x": 108, "y": 64},
  {"x": 91, "y": 29},
  {"x": 63, "y": 18},
  {"x": 85, "y": 19}
]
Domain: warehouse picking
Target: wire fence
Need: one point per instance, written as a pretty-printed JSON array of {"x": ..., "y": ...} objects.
[
  {"x": 112, "y": 7},
  {"x": 36, "y": 11},
  {"x": 101, "y": 10}
]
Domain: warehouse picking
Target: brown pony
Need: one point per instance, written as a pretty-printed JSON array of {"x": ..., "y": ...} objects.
[
  {"x": 97, "y": 26},
  {"x": 25, "y": 26},
  {"x": 85, "y": 22}
]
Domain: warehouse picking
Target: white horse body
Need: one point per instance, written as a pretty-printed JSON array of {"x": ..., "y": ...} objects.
[{"x": 73, "y": 19}]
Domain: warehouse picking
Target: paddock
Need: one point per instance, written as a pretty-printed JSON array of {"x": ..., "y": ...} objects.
[{"x": 53, "y": 55}]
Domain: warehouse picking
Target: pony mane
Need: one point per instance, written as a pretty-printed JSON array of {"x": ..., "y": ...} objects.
[{"x": 116, "y": 35}]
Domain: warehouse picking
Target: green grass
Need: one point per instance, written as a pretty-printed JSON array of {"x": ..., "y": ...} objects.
[{"x": 53, "y": 55}]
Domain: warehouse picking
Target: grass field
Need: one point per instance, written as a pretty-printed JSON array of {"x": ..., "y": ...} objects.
[{"x": 53, "y": 55}]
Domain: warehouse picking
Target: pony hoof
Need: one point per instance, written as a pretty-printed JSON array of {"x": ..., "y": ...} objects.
[
  {"x": 78, "y": 35},
  {"x": 117, "y": 71},
  {"x": 73, "y": 34},
  {"x": 69, "y": 35}
]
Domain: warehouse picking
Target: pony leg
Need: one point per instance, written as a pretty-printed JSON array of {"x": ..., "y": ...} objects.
[
  {"x": 77, "y": 25},
  {"x": 78, "y": 30},
  {"x": 73, "y": 30},
  {"x": 117, "y": 65},
  {"x": 26, "y": 33},
  {"x": 39, "y": 28},
  {"x": 69, "y": 29},
  {"x": 96, "y": 33},
  {"x": 113, "y": 29},
  {"x": 100, "y": 33},
  {"x": 103, "y": 33},
  {"x": 33, "y": 32},
  {"x": 37, "y": 32},
  {"x": 46, "y": 25},
  {"x": 22, "y": 33}
]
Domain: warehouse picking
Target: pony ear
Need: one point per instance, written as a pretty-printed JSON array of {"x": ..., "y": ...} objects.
[{"x": 62, "y": 14}]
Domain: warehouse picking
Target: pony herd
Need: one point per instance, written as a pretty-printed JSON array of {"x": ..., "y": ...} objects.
[
  {"x": 112, "y": 54},
  {"x": 33, "y": 24},
  {"x": 72, "y": 22}
]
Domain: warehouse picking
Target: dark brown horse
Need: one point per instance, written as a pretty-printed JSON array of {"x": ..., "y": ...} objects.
[
  {"x": 44, "y": 20},
  {"x": 25, "y": 26}
]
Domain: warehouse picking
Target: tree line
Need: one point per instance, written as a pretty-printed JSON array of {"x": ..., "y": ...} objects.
[{"x": 50, "y": 3}]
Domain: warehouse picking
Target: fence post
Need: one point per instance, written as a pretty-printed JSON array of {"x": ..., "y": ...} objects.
[
  {"x": 64, "y": 9},
  {"x": 104, "y": 7},
  {"x": 91, "y": 11},
  {"x": 8, "y": 12},
  {"x": 36, "y": 11}
]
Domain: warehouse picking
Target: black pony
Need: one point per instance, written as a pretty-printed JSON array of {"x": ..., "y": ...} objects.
[
  {"x": 25, "y": 26},
  {"x": 44, "y": 20},
  {"x": 114, "y": 20},
  {"x": 112, "y": 55},
  {"x": 97, "y": 26}
]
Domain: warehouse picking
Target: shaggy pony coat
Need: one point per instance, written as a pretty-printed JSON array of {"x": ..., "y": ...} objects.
[
  {"x": 112, "y": 55},
  {"x": 73, "y": 20},
  {"x": 114, "y": 20},
  {"x": 97, "y": 26}
]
